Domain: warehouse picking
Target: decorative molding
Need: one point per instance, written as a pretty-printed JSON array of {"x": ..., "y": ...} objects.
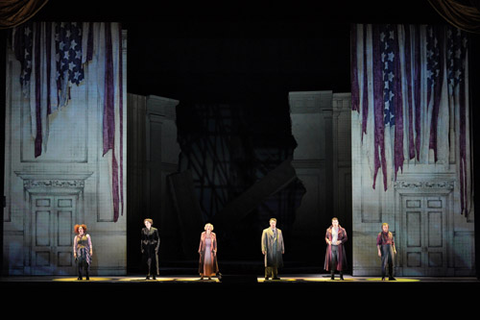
[
  {"x": 426, "y": 185},
  {"x": 53, "y": 180}
]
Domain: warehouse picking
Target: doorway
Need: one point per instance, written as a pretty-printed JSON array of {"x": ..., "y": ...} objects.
[
  {"x": 52, "y": 222},
  {"x": 425, "y": 233}
]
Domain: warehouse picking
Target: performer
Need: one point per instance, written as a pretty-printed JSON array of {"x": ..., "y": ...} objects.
[
  {"x": 272, "y": 248},
  {"x": 82, "y": 250},
  {"x": 335, "y": 257},
  {"x": 150, "y": 243},
  {"x": 207, "y": 264},
  {"x": 386, "y": 251}
]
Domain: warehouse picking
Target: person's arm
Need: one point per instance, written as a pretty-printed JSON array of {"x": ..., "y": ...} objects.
[
  {"x": 379, "y": 246},
  {"x": 327, "y": 240},
  {"x": 345, "y": 237},
  {"x": 283, "y": 245},
  {"x": 264, "y": 247},
  {"x": 200, "y": 246},
  {"x": 90, "y": 244},
  {"x": 75, "y": 247},
  {"x": 157, "y": 234},
  {"x": 214, "y": 244}
]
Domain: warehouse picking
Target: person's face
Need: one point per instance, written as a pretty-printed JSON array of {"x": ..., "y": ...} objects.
[
  {"x": 385, "y": 228},
  {"x": 335, "y": 223},
  {"x": 208, "y": 227},
  {"x": 147, "y": 224},
  {"x": 273, "y": 224},
  {"x": 80, "y": 230}
]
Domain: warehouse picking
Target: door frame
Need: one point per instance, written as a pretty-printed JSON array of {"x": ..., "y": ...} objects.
[
  {"x": 55, "y": 238},
  {"x": 48, "y": 184},
  {"x": 424, "y": 190}
]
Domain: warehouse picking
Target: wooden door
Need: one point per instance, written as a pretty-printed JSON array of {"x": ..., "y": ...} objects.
[
  {"x": 424, "y": 243},
  {"x": 53, "y": 219}
]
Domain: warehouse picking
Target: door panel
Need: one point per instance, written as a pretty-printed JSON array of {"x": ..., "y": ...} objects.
[
  {"x": 424, "y": 235},
  {"x": 52, "y": 234}
]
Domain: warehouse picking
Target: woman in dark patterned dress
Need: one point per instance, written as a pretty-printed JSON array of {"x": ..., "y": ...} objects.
[{"x": 82, "y": 250}]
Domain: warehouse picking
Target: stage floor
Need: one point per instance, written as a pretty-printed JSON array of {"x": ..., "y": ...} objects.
[
  {"x": 237, "y": 279},
  {"x": 242, "y": 292}
]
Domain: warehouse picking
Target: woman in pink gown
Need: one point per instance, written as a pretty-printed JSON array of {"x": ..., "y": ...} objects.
[{"x": 207, "y": 265}]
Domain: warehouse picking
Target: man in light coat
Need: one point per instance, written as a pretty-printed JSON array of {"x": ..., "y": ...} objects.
[{"x": 272, "y": 248}]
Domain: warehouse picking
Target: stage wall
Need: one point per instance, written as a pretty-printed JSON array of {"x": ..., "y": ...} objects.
[{"x": 69, "y": 183}]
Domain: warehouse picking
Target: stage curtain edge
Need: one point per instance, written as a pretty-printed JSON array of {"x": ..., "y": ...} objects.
[
  {"x": 464, "y": 17},
  {"x": 16, "y": 12}
]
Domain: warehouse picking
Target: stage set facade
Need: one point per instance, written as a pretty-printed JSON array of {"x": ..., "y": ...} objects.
[{"x": 62, "y": 170}]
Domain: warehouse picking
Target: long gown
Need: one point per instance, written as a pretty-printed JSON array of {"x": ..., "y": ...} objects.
[{"x": 207, "y": 265}]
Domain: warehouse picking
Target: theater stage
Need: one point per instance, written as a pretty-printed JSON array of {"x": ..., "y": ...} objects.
[{"x": 289, "y": 279}]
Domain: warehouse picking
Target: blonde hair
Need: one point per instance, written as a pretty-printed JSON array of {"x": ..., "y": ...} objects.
[{"x": 208, "y": 224}]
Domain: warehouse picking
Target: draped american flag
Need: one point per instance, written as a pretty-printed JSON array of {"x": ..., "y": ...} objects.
[
  {"x": 434, "y": 44},
  {"x": 52, "y": 57},
  {"x": 409, "y": 84},
  {"x": 456, "y": 60},
  {"x": 69, "y": 57}
]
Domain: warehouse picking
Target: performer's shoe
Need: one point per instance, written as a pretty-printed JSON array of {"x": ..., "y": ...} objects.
[{"x": 391, "y": 278}]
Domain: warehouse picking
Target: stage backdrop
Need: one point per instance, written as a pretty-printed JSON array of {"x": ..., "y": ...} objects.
[
  {"x": 65, "y": 147},
  {"x": 411, "y": 163}
]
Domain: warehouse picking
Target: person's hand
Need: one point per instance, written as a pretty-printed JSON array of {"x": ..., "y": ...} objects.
[{"x": 379, "y": 253}]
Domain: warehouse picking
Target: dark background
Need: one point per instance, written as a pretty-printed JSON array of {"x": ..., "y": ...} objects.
[{"x": 230, "y": 52}]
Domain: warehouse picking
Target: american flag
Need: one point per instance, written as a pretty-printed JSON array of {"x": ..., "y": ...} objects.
[
  {"x": 68, "y": 43},
  {"x": 456, "y": 57},
  {"x": 24, "y": 42},
  {"x": 387, "y": 101},
  {"x": 388, "y": 55},
  {"x": 392, "y": 93},
  {"x": 52, "y": 57},
  {"x": 414, "y": 79},
  {"x": 434, "y": 44}
]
